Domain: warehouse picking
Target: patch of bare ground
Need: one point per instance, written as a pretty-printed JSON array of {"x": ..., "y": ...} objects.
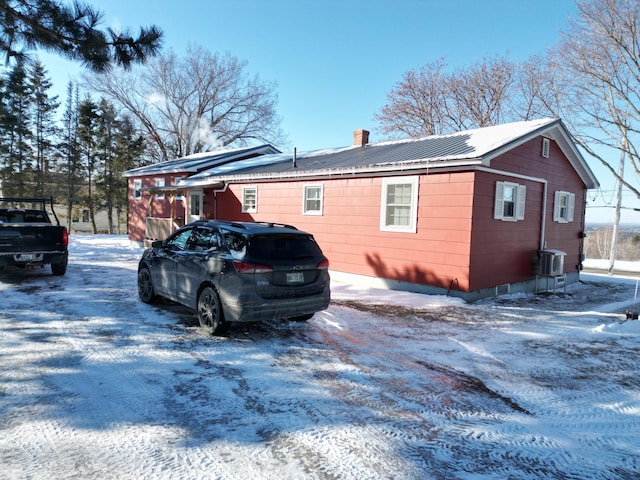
[{"x": 435, "y": 314}]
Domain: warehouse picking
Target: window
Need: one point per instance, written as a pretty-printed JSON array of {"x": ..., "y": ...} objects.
[
  {"x": 399, "y": 204},
  {"x": 203, "y": 239},
  {"x": 195, "y": 200},
  {"x": 176, "y": 181},
  {"x": 85, "y": 216},
  {"x": 510, "y": 201},
  {"x": 249, "y": 199},
  {"x": 312, "y": 200},
  {"x": 179, "y": 241},
  {"x": 137, "y": 189},
  {"x": 160, "y": 183},
  {"x": 563, "y": 207}
]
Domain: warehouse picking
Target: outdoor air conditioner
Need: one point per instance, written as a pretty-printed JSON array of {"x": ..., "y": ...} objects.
[{"x": 552, "y": 262}]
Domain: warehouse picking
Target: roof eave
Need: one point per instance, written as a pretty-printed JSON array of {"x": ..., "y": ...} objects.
[{"x": 391, "y": 168}]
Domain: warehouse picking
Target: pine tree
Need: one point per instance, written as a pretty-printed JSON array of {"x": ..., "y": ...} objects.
[
  {"x": 70, "y": 150},
  {"x": 129, "y": 153},
  {"x": 18, "y": 160},
  {"x": 72, "y": 31},
  {"x": 106, "y": 133},
  {"x": 44, "y": 128},
  {"x": 88, "y": 147}
]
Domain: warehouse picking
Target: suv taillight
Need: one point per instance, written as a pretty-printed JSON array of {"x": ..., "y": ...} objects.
[
  {"x": 247, "y": 267},
  {"x": 65, "y": 238},
  {"x": 323, "y": 265}
]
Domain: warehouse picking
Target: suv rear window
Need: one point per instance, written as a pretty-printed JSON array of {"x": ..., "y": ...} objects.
[{"x": 282, "y": 247}]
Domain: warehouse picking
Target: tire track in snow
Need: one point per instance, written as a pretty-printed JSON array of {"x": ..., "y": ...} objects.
[{"x": 79, "y": 348}]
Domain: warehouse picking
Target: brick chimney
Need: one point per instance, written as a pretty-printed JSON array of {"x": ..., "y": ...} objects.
[{"x": 361, "y": 137}]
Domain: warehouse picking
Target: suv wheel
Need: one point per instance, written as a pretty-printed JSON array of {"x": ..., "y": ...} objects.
[
  {"x": 210, "y": 312},
  {"x": 145, "y": 286}
]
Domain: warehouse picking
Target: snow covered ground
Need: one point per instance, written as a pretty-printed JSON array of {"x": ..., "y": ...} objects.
[{"x": 96, "y": 384}]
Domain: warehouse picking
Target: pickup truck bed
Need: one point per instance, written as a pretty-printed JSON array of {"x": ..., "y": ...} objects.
[{"x": 28, "y": 238}]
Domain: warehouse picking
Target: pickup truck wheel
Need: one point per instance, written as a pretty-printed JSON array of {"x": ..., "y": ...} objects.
[
  {"x": 210, "y": 312},
  {"x": 146, "y": 291},
  {"x": 59, "y": 268}
]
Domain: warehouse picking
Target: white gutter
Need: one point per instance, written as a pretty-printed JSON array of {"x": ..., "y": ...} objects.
[
  {"x": 215, "y": 200},
  {"x": 333, "y": 173}
]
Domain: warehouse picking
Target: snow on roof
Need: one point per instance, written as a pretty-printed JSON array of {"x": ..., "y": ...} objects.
[
  {"x": 197, "y": 161},
  {"x": 466, "y": 148}
]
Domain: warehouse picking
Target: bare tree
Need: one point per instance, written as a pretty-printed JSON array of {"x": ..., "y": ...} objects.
[
  {"x": 432, "y": 101},
  {"x": 192, "y": 104},
  {"x": 481, "y": 93},
  {"x": 416, "y": 105},
  {"x": 598, "y": 57}
]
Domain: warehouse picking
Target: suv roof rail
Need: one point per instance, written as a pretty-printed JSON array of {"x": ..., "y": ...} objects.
[
  {"x": 275, "y": 224},
  {"x": 245, "y": 225},
  {"x": 231, "y": 223}
]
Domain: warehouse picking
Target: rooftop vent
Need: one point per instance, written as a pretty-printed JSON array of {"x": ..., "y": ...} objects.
[{"x": 545, "y": 147}]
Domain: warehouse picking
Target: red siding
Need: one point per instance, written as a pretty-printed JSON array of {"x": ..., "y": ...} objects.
[
  {"x": 349, "y": 229},
  {"x": 139, "y": 209},
  {"x": 506, "y": 252},
  {"x": 458, "y": 243}
]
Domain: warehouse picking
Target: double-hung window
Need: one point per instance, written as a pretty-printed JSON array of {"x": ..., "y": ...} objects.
[
  {"x": 312, "y": 203},
  {"x": 510, "y": 201},
  {"x": 563, "y": 206},
  {"x": 160, "y": 183},
  {"x": 399, "y": 204},
  {"x": 137, "y": 189},
  {"x": 249, "y": 199}
]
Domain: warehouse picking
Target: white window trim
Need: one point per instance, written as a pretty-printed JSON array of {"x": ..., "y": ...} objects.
[
  {"x": 244, "y": 206},
  {"x": 412, "y": 227},
  {"x": 557, "y": 203},
  {"x": 160, "y": 182},
  {"x": 176, "y": 182},
  {"x": 305, "y": 188},
  {"x": 520, "y": 202},
  {"x": 137, "y": 189}
]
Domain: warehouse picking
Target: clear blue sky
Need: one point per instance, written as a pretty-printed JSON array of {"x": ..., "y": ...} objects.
[{"x": 334, "y": 61}]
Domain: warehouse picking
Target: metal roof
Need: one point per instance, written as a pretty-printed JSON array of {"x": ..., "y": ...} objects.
[
  {"x": 198, "y": 161},
  {"x": 467, "y": 149}
]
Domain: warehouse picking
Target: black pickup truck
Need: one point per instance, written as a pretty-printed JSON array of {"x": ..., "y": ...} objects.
[{"x": 28, "y": 238}]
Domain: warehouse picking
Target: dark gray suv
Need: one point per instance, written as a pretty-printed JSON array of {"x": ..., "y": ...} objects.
[{"x": 237, "y": 272}]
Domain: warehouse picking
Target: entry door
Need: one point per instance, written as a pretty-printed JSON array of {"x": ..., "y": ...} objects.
[{"x": 195, "y": 205}]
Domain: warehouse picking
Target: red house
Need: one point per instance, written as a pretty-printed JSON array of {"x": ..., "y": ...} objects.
[
  {"x": 158, "y": 205},
  {"x": 473, "y": 214}
]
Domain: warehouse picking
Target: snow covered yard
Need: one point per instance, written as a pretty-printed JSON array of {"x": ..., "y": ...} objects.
[{"x": 96, "y": 384}]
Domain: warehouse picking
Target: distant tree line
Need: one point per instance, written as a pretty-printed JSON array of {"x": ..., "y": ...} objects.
[{"x": 597, "y": 245}]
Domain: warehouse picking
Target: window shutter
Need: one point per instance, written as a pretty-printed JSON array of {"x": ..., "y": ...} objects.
[
  {"x": 572, "y": 205},
  {"x": 556, "y": 206},
  {"x": 499, "y": 203},
  {"x": 522, "y": 198}
]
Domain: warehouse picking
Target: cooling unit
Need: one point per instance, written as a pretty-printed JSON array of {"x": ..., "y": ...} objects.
[{"x": 552, "y": 262}]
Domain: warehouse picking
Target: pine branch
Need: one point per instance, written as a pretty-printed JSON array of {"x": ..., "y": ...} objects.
[{"x": 72, "y": 32}]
